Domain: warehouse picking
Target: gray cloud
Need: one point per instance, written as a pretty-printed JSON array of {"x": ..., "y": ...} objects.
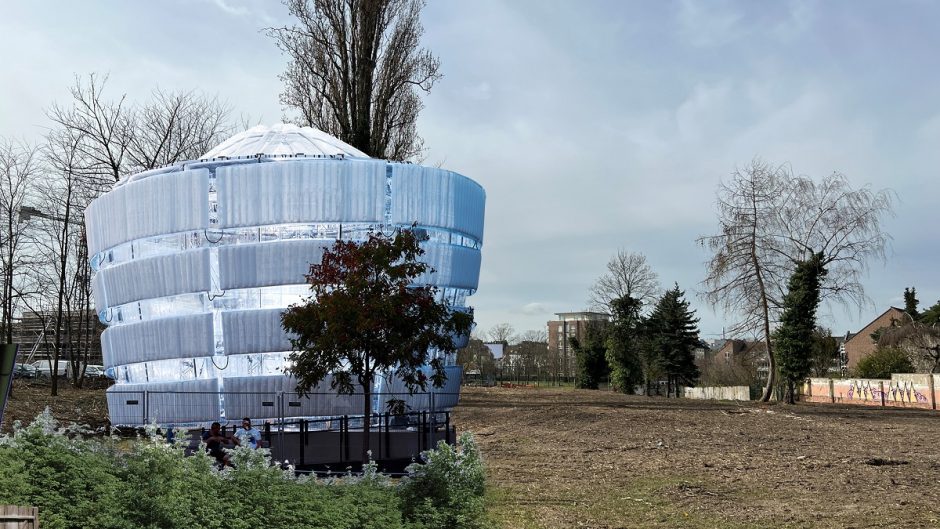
[{"x": 592, "y": 126}]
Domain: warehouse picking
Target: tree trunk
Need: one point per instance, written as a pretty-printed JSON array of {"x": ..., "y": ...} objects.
[
  {"x": 367, "y": 425},
  {"x": 366, "y": 420},
  {"x": 772, "y": 364}
]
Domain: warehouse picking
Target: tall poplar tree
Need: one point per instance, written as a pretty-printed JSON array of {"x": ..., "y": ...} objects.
[{"x": 355, "y": 70}]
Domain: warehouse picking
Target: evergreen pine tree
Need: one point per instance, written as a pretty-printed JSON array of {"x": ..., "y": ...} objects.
[
  {"x": 793, "y": 339},
  {"x": 910, "y": 302},
  {"x": 673, "y": 332}
]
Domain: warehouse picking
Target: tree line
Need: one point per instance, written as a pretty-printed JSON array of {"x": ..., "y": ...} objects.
[{"x": 638, "y": 352}]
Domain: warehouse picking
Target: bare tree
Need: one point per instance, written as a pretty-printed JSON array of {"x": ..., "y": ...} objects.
[
  {"x": 769, "y": 220},
  {"x": 628, "y": 274},
  {"x": 535, "y": 335},
  {"x": 824, "y": 352},
  {"x": 174, "y": 127},
  {"x": 102, "y": 125},
  {"x": 355, "y": 70},
  {"x": 119, "y": 138},
  {"x": 532, "y": 346},
  {"x": 58, "y": 236},
  {"x": 19, "y": 168},
  {"x": 502, "y": 333}
]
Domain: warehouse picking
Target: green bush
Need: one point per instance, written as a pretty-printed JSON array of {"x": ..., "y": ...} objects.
[
  {"x": 883, "y": 362},
  {"x": 102, "y": 483},
  {"x": 446, "y": 490}
]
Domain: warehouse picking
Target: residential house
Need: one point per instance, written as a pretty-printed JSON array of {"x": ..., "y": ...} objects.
[{"x": 862, "y": 344}]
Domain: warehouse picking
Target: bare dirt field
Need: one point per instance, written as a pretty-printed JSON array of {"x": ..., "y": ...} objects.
[
  {"x": 82, "y": 406},
  {"x": 572, "y": 458},
  {"x": 576, "y": 458}
]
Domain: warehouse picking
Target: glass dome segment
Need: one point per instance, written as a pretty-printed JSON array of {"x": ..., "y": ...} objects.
[{"x": 283, "y": 140}]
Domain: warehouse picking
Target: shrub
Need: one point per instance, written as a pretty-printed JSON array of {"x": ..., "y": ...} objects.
[
  {"x": 446, "y": 490},
  {"x": 883, "y": 362},
  {"x": 79, "y": 483}
]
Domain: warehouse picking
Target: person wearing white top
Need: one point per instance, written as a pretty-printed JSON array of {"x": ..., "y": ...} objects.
[{"x": 248, "y": 435}]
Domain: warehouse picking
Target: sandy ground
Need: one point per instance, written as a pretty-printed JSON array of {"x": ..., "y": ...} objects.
[{"x": 575, "y": 458}]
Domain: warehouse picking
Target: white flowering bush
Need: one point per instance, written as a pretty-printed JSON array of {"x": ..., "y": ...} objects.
[{"x": 446, "y": 489}]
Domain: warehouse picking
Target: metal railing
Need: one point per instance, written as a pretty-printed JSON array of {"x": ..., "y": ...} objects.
[{"x": 200, "y": 408}]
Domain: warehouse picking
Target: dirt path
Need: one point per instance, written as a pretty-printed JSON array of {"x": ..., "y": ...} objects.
[{"x": 571, "y": 458}]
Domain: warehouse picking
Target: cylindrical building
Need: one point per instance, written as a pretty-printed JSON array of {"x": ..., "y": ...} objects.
[{"x": 195, "y": 262}]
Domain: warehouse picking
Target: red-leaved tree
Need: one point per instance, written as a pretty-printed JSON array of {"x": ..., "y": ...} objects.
[{"x": 366, "y": 317}]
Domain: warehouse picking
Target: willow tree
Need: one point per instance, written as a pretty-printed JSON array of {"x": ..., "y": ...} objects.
[
  {"x": 355, "y": 71},
  {"x": 365, "y": 316},
  {"x": 769, "y": 221}
]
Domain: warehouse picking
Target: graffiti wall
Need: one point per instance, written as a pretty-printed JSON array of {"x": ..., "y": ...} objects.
[{"x": 902, "y": 390}]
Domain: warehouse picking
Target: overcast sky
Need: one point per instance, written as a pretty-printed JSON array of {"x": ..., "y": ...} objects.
[{"x": 592, "y": 126}]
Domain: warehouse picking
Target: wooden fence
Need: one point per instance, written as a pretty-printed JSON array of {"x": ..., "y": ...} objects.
[{"x": 13, "y": 517}]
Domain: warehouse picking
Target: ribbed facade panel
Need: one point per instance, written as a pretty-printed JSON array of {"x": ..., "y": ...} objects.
[
  {"x": 254, "y": 331},
  {"x": 453, "y": 266},
  {"x": 254, "y": 397},
  {"x": 248, "y": 394},
  {"x": 161, "y": 204},
  {"x": 269, "y": 263},
  {"x": 439, "y": 198},
  {"x": 154, "y": 277},
  {"x": 161, "y": 339},
  {"x": 278, "y": 193}
]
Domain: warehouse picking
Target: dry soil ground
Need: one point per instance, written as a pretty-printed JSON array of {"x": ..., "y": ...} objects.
[
  {"x": 572, "y": 458},
  {"x": 30, "y": 397},
  {"x": 575, "y": 458}
]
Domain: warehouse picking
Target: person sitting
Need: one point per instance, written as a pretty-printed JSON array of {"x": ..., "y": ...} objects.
[
  {"x": 215, "y": 442},
  {"x": 248, "y": 435}
]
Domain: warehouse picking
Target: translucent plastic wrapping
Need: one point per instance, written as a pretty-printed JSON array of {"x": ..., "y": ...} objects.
[
  {"x": 165, "y": 403},
  {"x": 451, "y": 266},
  {"x": 434, "y": 197},
  {"x": 269, "y": 263},
  {"x": 160, "y": 339},
  {"x": 254, "y": 331},
  {"x": 166, "y": 203},
  {"x": 174, "y": 274},
  {"x": 285, "y": 192},
  {"x": 195, "y": 263}
]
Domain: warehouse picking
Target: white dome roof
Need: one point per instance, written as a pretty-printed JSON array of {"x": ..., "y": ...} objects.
[{"x": 283, "y": 140}]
